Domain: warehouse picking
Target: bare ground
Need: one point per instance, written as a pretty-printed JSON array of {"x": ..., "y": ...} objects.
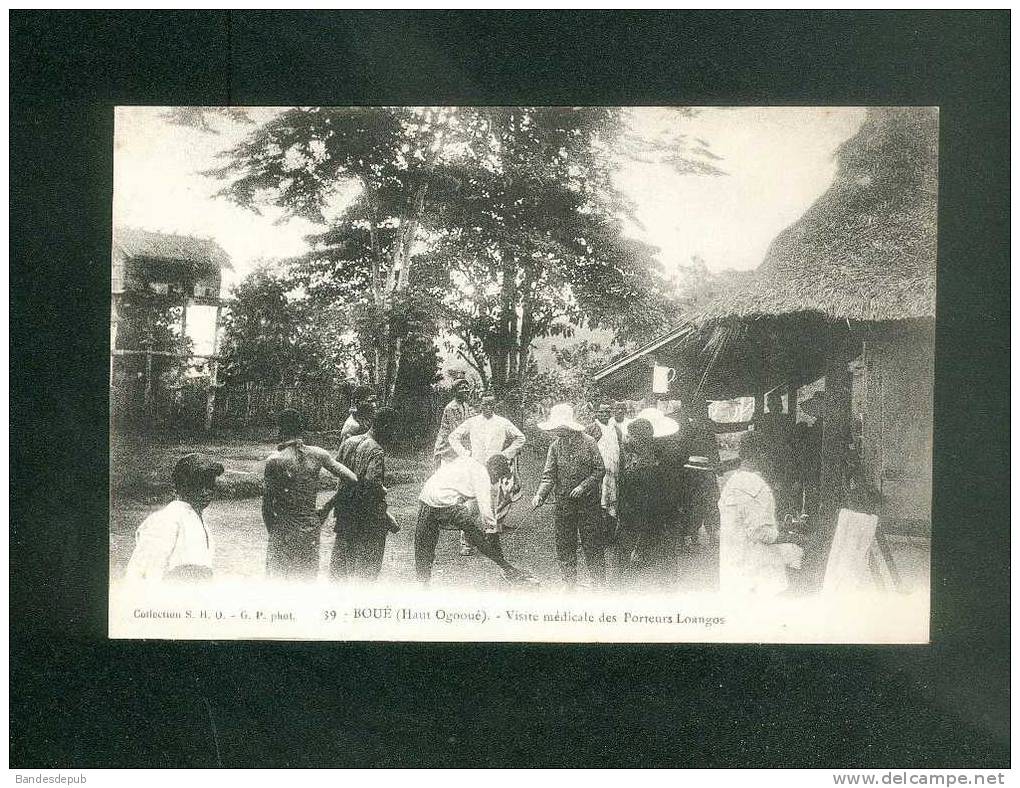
[{"x": 240, "y": 536}]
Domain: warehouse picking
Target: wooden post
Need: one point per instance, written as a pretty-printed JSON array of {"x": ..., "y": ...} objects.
[
  {"x": 214, "y": 365},
  {"x": 147, "y": 402},
  {"x": 113, "y": 335},
  {"x": 184, "y": 315},
  {"x": 792, "y": 392},
  {"x": 759, "y": 405},
  {"x": 835, "y": 435}
]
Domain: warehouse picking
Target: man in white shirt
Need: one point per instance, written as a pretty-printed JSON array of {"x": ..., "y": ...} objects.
[
  {"x": 174, "y": 543},
  {"x": 456, "y": 497},
  {"x": 754, "y": 552},
  {"x": 487, "y": 435}
]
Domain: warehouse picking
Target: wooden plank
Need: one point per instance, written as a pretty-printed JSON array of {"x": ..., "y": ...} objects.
[
  {"x": 846, "y": 569},
  {"x": 214, "y": 366}
]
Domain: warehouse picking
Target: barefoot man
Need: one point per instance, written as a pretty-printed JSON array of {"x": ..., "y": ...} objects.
[{"x": 288, "y": 503}]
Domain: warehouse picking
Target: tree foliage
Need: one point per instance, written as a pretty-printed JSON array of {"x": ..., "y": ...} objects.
[
  {"x": 494, "y": 226},
  {"x": 273, "y": 336}
]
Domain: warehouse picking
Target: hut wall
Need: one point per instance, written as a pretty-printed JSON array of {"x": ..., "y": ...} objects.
[{"x": 898, "y": 421}]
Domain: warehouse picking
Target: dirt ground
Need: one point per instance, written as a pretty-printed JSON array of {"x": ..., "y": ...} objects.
[
  {"x": 143, "y": 466},
  {"x": 240, "y": 536}
]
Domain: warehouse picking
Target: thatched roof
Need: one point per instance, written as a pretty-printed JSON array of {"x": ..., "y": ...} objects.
[
  {"x": 864, "y": 252},
  {"x": 130, "y": 243},
  {"x": 866, "y": 249}
]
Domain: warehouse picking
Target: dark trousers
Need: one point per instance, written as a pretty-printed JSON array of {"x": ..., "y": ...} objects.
[
  {"x": 358, "y": 551},
  {"x": 432, "y": 520},
  {"x": 702, "y": 506},
  {"x": 581, "y": 522}
]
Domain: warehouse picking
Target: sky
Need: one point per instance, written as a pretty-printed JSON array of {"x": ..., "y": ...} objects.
[{"x": 777, "y": 161}]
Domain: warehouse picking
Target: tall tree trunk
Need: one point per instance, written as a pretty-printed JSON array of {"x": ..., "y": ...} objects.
[
  {"x": 527, "y": 326},
  {"x": 398, "y": 279},
  {"x": 376, "y": 255},
  {"x": 506, "y": 337},
  {"x": 408, "y": 232}
]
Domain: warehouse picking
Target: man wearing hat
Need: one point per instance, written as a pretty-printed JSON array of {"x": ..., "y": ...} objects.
[
  {"x": 174, "y": 543},
  {"x": 656, "y": 542},
  {"x": 808, "y": 441},
  {"x": 288, "y": 501},
  {"x": 573, "y": 471},
  {"x": 756, "y": 552}
]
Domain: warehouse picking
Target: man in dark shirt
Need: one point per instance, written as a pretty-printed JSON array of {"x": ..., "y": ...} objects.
[
  {"x": 775, "y": 431},
  {"x": 808, "y": 452},
  {"x": 701, "y": 486},
  {"x": 363, "y": 404},
  {"x": 362, "y": 521},
  {"x": 574, "y": 471}
]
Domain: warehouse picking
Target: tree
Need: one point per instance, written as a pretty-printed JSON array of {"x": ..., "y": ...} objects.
[
  {"x": 306, "y": 160},
  {"x": 693, "y": 284},
  {"x": 271, "y": 336},
  {"x": 533, "y": 239},
  {"x": 503, "y": 222},
  {"x": 148, "y": 320}
]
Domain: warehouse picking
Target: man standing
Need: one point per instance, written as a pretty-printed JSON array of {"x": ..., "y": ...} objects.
[
  {"x": 608, "y": 438},
  {"x": 174, "y": 543},
  {"x": 701, "y": 499},
  {"x": 456, "y": 412},
  {"x": 755, "y": 552},
  {"x": 640, "y": 486},
  {"x": 776, "y": 441},
  {"x": 808, "y": 452},
  {"x": 448, "y": 500},
  {"x": 288, "y": 503},
  {"x": 574, "y": 471},
  {"x": 620, "y": 411},
  {"x": 488, "y": 435},
  {"x": 362, "y": 521},
  {"x": 363, "y": 405}
]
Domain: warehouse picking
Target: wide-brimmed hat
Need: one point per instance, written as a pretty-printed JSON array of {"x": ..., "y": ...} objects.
[
  {"x": 814, "y": 405},
  {"x": 561, "y": 415},
  {"x": 662, "y": 425}
]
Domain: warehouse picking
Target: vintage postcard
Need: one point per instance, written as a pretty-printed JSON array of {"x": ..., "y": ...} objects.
[{"x": 566, "y": 374}]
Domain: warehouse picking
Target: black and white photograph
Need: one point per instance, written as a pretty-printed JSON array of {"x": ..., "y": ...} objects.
[
  {"x": 489, "y": 389},
  {"x": 553, "y": 373}
]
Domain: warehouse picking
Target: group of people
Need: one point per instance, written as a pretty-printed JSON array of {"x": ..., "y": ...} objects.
[{"x": 629, "y": 495}]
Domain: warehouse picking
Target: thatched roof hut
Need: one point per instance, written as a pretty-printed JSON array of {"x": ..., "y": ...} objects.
[
  {"x": 864, "y": 253},
  {"x": 852, "y": 279},
  {"x": 181, "y": 262}
]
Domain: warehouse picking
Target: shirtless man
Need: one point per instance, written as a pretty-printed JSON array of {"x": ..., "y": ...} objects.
[{"x": 288, "y": 503}]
